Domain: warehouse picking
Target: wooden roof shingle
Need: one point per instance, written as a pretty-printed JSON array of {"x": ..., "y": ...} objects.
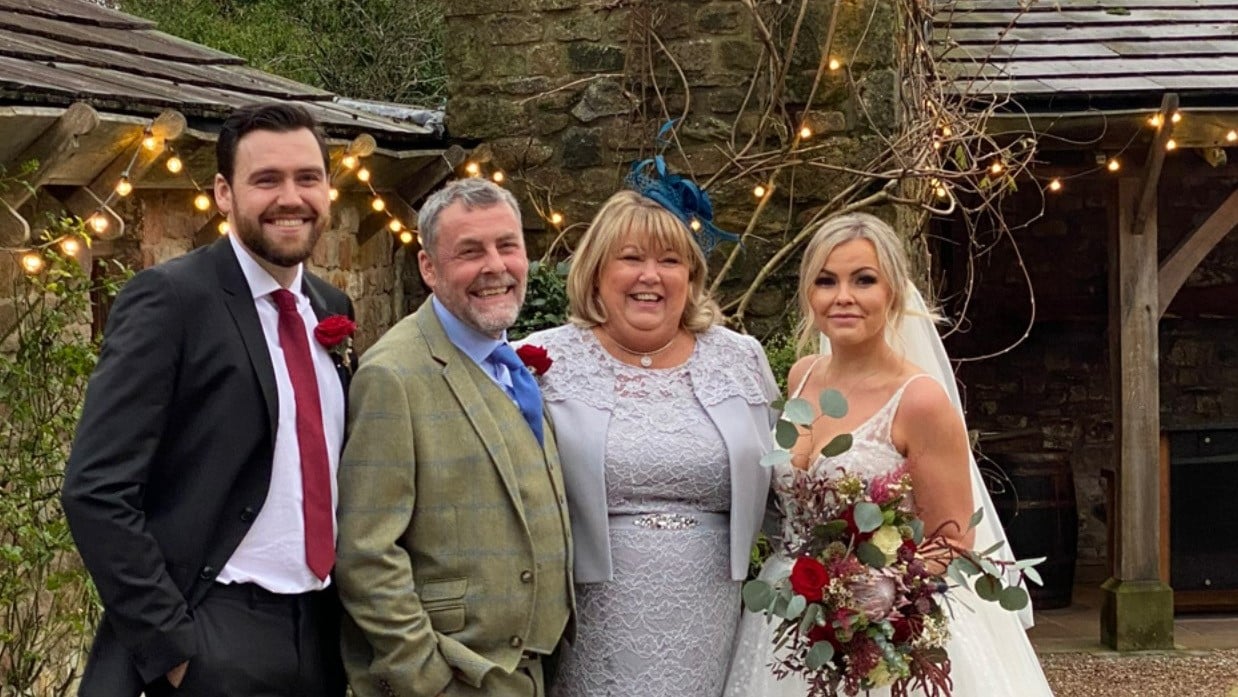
[{"x": 1116, "y": 53}]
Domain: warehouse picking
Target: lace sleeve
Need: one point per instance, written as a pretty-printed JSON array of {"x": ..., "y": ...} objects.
[{"x": 728, "y": 365}]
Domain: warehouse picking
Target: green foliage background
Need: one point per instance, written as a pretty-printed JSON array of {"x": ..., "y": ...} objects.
[{"x": 387, "y": 50}]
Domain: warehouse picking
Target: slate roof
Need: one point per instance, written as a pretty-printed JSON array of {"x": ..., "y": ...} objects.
[
  {"x": 1095, "y": 53},
  {"x": 56, "y": 52}
]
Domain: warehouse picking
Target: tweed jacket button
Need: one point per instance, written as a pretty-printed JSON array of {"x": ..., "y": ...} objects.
[
  {"x": 517, "y": 642},
  {"x": 526, "y": 576}
]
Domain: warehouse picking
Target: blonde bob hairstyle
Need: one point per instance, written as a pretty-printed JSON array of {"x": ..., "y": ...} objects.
[
  {"x": 891, "y": 257},
  {"x": 628, "y": 216}
]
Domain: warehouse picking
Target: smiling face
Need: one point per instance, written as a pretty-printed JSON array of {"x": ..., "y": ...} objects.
[
  {"x": 278, "y": 202},
  {"x": 478, "y": 270},
  {"x": 850, "y": 296},
  {"x": 643, "y": 287}
]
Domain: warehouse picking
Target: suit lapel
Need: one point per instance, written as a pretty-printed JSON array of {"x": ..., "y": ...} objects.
[
  {"x": 240, "y": 303},
  {"x": 462, "y": 377}
]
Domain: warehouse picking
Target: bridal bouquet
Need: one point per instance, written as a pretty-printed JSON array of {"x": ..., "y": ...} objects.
[{"x": 862, "y": 606}]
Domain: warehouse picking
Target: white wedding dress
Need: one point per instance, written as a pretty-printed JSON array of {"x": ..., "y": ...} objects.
[{"x": 990, "y": 654}]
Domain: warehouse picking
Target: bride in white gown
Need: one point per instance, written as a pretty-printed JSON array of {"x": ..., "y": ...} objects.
[{"x": 883, "y": 353}]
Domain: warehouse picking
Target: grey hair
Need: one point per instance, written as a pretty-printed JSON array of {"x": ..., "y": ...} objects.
[{"x": 473, "y": 192}]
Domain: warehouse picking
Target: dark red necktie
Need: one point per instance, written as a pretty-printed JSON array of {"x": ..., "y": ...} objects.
[{"x": 315, "y": 472}]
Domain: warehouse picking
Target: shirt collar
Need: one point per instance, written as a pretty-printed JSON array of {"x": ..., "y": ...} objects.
[
  {"x": 473, "y": 343},
  {"x": 260, "y": 281}
]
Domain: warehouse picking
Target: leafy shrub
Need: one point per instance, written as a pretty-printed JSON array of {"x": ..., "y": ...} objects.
[{"x": 545, "y": 300}]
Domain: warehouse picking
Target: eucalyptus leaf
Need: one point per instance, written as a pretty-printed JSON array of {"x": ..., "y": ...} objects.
[
  {"x": 989, "y": 568},
  {"x": 976, "y": 518},
  {"x": 786, "y": 434},
  {"x": 1013, "y": 598},
  {"x": 756, "y": 595},
  {"x": 1033, "y": 575},
  {"x": 871, "y": 555},
  {"x": 839, "y": 445},
  {"x": 917, "y": 530},
  {"x": 798, "y": 411},
  {"x": 778, "y": 404},
  {"x": 996, "y": 546},
  {"x": 966, "y": 566},
  {"x": 833, "y": 404},
  {"x": 775, "y": 458},
  {"x": 809, "y": 619},
  {"x": 956, "y": 574},
  {"x": 795, "y": 607},
  {"x": 1029, "y": 563},
  {"x": 988, "y": 588},
  {"x": 819, "y": 655},
  {"x": 868, "y": 516}
]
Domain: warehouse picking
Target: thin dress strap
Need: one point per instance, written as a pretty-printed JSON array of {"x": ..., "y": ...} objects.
[{"x": 807, "y": 375}]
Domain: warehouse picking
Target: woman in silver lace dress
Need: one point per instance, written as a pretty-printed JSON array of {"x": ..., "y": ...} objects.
[{"x": 661, "y": 417}]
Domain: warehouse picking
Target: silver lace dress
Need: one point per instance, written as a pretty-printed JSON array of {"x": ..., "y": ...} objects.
[{"x": 663, "y": 627}]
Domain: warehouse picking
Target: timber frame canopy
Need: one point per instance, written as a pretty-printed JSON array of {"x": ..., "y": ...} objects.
[
  {"x": 81, "y": 83},
  {"x": 1093, "y": 74}
]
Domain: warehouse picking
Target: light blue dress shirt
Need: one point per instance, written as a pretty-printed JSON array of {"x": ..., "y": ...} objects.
[{"x": 475, "y": 345}]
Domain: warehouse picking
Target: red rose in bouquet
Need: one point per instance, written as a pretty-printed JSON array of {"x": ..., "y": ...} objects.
[
  {"x": 809, "y": 579},
  {"x": 535, "y": 359}
]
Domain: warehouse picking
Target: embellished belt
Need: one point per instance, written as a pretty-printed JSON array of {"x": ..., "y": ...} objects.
[{"x": 672, "y": 521}]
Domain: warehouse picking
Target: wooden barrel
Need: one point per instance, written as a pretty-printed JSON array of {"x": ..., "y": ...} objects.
[{"x": 1038, "y": 509}]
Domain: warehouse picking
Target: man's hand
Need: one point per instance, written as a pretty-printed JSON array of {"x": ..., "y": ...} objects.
[{"x": 177, "y": 675}]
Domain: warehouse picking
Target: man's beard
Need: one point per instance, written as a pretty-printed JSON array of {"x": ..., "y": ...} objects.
[{"x": 249, "y": 230}]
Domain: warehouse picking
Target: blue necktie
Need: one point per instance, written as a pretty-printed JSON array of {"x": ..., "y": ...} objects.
[{"x": 524, "y": 388}]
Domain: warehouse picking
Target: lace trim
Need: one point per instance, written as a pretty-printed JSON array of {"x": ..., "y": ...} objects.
[{"x": 584, "y": 371}]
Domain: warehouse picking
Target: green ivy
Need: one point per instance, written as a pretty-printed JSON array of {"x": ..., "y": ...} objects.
[{"x": 545, "y": 300}]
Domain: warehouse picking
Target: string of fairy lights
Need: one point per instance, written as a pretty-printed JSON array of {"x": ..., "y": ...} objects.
[{"x": 33, "y": 261}]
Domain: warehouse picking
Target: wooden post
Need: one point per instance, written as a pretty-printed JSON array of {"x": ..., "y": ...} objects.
[{"x": 1137, "y": 609}]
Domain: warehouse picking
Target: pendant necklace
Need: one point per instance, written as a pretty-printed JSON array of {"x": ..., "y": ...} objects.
[{"x": 646, "y": 357}]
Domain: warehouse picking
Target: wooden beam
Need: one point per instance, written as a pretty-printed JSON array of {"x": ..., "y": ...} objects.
[
  {"x": 1178, "y": 266},
  {"x": 1138, "y": 391},
  {"x": 1152, "y": 166},
  {"x": 166, "y": 127},
  {"x": 51, "y": 148},
  {"x": 426, "y": 178}
]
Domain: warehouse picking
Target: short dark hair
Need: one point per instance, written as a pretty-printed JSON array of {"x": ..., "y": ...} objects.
[{"x": 281, "y": 118}]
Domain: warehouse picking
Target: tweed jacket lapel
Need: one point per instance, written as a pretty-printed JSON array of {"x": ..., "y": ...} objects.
[
  {"x": 240, "y": 303},
  {"x": 467, "y": 382}
]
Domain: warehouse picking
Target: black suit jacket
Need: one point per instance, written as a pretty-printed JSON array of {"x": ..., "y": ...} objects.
[{"x": 172, "y": 457}]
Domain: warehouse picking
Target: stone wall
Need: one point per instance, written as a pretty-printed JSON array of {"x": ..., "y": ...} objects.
[
  {"x": 558, "y": 94},
  {"x": 1057, "y": 382}
]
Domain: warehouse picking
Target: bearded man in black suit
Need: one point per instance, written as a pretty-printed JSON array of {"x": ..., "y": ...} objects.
[{"x": 201, "y": 485}]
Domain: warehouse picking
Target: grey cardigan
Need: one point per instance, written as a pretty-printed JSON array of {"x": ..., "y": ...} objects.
[{"x": 579, "y": 395}]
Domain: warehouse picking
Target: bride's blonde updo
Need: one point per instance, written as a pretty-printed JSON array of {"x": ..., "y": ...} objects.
[{"x": 833, "y": 231}]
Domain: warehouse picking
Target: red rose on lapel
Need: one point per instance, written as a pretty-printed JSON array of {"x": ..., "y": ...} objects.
[
  {"x": 334, "y": 329},
  {"x": 535, "y": 359}
]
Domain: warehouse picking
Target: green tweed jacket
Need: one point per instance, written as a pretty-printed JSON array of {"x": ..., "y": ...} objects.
[{"x": 434, "y": 546}]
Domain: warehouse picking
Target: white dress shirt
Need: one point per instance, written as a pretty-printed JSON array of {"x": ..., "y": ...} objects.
[{"x": 272, "y": 554}]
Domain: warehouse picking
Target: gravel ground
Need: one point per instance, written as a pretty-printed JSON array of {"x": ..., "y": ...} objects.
[{"x": 1176, "y": 674}]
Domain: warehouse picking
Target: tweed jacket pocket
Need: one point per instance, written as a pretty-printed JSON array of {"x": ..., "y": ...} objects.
[{"x": 443, "y": 601}]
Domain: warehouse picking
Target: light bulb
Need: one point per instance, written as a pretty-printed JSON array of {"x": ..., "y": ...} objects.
[
  {"x": 363, "y": 175},
  {"x": 175, "y": 165},
  {"x": 224, "y": 227},
  {"x": 395, "y": 225},
  {"x": 98, "y": 222},
  {"x": 498, "y": 177},
  {"x": 936, "y": 144},
  {"x": 1231, "y": 136},
  {"x": 202, "y": 202},
  {"x": 805, "y": 133},
  {"x": 378, "y": 203},
  {"x": 695, "y": 225},
  {"x": 150, "y": 142},
  {"x": 1055, "y": 185},
  {"x": 759, "y": 191},
  {"x": 1113, "y": 165},
  {"x": 1155, "y": 121},
  {"x": 473, "y": 169},
  {"x": 556, "y": 218},
  {"x": 941, "y": 192},
  {"x": 32, "y": 263},
  {"x": 1171, "y": 144},
  {"x": 333, "y": 194},
  {"x": 835, "y": 64},
  {"x": 1176, "y": 117},
  {"x": 70, "y": 246},
  {"x": 124, "y": 187},
  {"x": 997, "y": 167},
  {"x": 348, "y": 162},
  {"x": 947, "y": 131},
  {"x": 406, "y": 237}
]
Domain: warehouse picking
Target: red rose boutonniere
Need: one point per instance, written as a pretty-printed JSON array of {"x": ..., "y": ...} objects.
[
  {"x": 335, "y": 333},
  {"x": 535, "y": 359}
]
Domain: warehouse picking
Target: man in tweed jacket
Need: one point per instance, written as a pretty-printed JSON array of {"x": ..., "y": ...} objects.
[{"x": 454, "y": 547}]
